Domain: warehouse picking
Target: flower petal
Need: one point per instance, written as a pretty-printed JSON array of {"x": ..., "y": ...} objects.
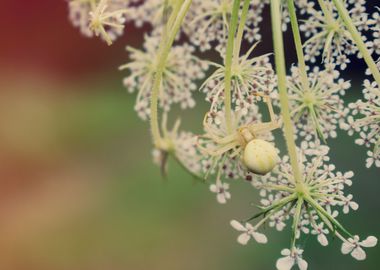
[
  {"x": 322, "y": 239},
  {"x": 371, "y": 241},
  {"x": 302, "y": 264},
  {"x": 347, "y": 247},
  {"x": 285, "y": 263},
  {"x": 359, "y": 254},
  {"x": 220, "y": 198},
  {"x": 354, "y": 205},
  {"x": 260, "y": 238},
  {"x": 237, "y": 226},
  {"x": 244, "y": 238},
  {"x": 214, "y": 188}
]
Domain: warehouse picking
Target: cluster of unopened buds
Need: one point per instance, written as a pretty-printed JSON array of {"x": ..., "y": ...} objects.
[{"x": 301, "y": 188}]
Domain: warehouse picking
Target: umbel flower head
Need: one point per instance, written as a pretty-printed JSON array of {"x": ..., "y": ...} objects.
[
  {"x": 311, "y": 206},
  {"x": 252, "y": 77},
  {"x": 182, "y": 71},
  {"x": 104, "y": 18},
  {"x": 327, "y": 35},
  {"x": 208, "y": 23},
  {"x": 365, "y": 120},
  {"x": 181, "y": 146},
  {"x": 317, "y": 108}
]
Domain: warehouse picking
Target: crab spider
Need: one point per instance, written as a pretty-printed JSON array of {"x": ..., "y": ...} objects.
[{"x": 246, "y": 142}]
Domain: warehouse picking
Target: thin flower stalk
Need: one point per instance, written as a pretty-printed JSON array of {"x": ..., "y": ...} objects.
[
  {"x": 281, "y": 74},
  {"x": 228, "y": 63},
  {"x": 357, "y": 37},
  {"x": 165, "y": 47},
  {"x": 298, "y": 44}
]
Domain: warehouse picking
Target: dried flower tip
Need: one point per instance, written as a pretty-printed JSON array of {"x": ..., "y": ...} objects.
[{"x": 105, "y": 22}]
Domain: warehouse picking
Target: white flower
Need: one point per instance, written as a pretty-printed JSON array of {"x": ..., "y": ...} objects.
[
  {"x": 354, "y": 247},
  {"x": 248, "y": 233},
  {"x": 321, "y": 232},
  {"x": 221, "y": 190},
  {"x": 290, "y": 259},
  {"x": 277, "y": 221},
  {"x": 348, "y": 203},
  {"x": 373, "y": 159}
]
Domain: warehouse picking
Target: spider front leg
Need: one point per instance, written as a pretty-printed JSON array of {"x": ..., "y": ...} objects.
[
  {"x": 218, "y": 150},
  {"x": 272, "y": 124}
]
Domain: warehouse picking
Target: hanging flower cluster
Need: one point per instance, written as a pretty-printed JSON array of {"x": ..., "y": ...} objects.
[{"x": 246, "y": 91}]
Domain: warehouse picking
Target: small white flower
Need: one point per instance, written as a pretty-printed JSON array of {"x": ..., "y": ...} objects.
[
  {"x": 290, "y": 259},
  {"x": 321, "y": 232},
  {"x": 277, "y": 221},
  {"x": 221, "y": 189},
  {"x": 349, "y": 204},
  {"x": 365, "y": 120},
  {"x": 373, "y": 159},
  {"x": 248, "y": 232},
  {"x": 354, "y": 247}
]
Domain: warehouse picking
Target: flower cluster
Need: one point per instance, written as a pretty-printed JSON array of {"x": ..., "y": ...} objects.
[
  {"x": 104, "y": 18},
  {"x": 208, "y": 23},
  {"x": 251, "y": 77},
  {"x": 327, "y": 35},
  {"x": 300, "y": 189},
  {"x": 182, "y": 71},
  {"x": 315, "y": 213},
  {"x": 365, "y": 120},
  {"x": 317, "y": 108}
]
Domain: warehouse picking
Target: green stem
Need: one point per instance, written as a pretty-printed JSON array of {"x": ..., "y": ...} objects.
[
  {"x": 228, "y": 64},
  {"x": 298, "y": 44},
  {"x": 326, "y": 12},
  {"x": 165, "y": 46},
  {"x": 240, "y": 31},
  {"x": 296, "y": 221},
  {"x": 284, "y": 101},
  {"x": 323, "y": 212},
  {"x": 356, "y": 36},
  {"x": 277, "y": 204}
]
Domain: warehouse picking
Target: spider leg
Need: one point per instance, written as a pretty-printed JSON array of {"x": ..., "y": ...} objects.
[
  {"x": 273, "y": 119},
  {"x": 263, "y": 127},
  {"x": 219, "y": 150},
  {"x": 236, "y": 152},
  {"x": 224, "y": 140}
]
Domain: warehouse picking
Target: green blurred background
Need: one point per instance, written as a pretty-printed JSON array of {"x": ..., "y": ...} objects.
[{"x": 78, "y": 189}]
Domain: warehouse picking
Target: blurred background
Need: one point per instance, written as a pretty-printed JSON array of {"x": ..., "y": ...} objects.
[{"x": 78, "y": 189}]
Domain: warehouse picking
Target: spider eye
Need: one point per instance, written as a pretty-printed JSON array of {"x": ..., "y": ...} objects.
[{"x": 260, "y": 156}]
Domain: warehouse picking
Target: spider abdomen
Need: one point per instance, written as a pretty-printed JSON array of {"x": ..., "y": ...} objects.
[{"x": 260, "y": 156}]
